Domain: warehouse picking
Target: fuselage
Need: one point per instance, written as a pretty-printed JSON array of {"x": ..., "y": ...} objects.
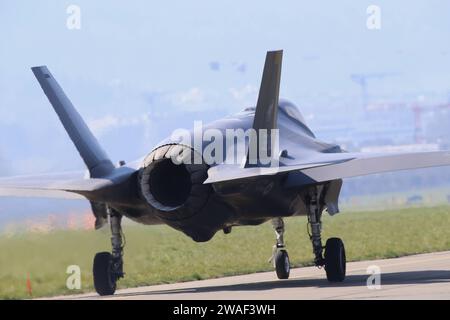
[{"x": 200, "y": 210}]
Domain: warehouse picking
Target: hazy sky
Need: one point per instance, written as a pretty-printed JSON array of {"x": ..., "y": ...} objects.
[{"x": 138, "y": 69}]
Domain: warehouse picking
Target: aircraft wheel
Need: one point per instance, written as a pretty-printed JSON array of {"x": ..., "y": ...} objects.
[
  {"x": 335, "y": 260},
  {"x": 104, "y": 278},
  {"x": 282, "y": 265}
]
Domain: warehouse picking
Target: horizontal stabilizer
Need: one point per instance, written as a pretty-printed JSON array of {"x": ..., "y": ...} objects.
[{"x": 224, "y": 172}]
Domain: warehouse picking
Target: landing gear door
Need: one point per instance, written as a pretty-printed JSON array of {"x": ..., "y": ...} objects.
[{"x": 332, "y": 196}]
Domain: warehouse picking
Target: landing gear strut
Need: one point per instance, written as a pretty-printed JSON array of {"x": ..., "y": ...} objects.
[
  {"x": 280, "y": 256},
  {"x": 334, "y": 260},
  {"x": 108, "y": 267}
]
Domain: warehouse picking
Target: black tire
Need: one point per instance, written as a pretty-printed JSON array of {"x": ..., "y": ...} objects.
[
  {"x": 282, "y": 265},
  {"x": 104, "y": 279},
  {"x": 335, "y": 260}
]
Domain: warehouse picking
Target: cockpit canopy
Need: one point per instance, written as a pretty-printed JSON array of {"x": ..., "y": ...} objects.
[{"x": 290, "y": 110}]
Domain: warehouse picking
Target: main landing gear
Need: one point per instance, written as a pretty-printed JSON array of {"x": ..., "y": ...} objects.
[
  {"x": 332, "y": 256},
  {"x": 108, "y": 267},
  {"x": 334, "y": 259}
]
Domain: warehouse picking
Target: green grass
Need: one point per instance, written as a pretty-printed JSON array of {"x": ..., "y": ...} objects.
[{"x": 160, "y": 255}]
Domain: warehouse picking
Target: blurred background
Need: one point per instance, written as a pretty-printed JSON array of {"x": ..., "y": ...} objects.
[{"x": 137, "y": 70}]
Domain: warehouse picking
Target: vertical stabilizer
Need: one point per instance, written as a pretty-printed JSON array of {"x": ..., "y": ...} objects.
[
  {"x": 87, "y": 145},
  {"x": 266, "y": 113}
]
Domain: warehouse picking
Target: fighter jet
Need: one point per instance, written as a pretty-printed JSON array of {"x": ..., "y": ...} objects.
[{"x": 175, "y": 185}]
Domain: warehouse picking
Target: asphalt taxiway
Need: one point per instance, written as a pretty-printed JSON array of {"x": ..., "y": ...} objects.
[{"x": 424, "y": 276}]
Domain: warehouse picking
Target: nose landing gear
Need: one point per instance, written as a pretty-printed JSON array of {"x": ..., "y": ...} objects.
[{"x": 280, "y": 257}]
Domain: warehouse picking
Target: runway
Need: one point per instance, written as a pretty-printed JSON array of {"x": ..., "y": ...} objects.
[{"x": 424, "y": 276}]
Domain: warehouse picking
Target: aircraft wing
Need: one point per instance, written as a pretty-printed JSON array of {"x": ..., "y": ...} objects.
[
  {"x": 369, "y": 163},
  {"x": 331, "y": 166},
  {"x": 101, "y": 175},
  {"x": 308, "y": 166},
  {"x": 57, "y": 185}
]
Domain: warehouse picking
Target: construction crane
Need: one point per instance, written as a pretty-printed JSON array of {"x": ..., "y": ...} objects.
[{"x": 361, "y": 80}]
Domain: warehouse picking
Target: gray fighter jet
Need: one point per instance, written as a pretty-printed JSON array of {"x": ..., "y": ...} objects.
[{"x": 200, "y": 198}]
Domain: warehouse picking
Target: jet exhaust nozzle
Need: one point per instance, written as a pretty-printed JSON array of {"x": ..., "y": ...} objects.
[{"x": 173, "y": 185}]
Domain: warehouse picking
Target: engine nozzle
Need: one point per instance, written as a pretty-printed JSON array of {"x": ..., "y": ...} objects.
[{"x": 169, "y": 183}]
